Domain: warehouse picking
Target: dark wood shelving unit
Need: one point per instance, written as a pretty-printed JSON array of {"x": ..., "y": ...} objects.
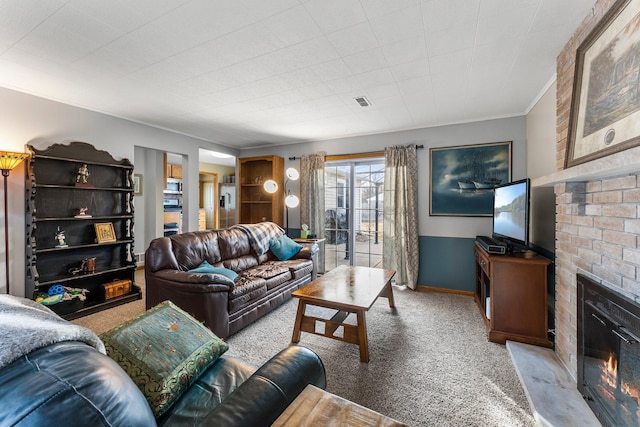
[
  {"x": 53, "y": 198},
  {"x": 48, "y": 281},
  {"x": 511, "y": 293},
  {"x": 99, "y": 218},
  {"x": 71, "y": 187},
  {"x": 70, "y": 248}
]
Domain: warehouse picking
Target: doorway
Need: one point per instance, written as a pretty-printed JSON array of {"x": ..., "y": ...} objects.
[
  {"x": 353, "y": 212},
  {"x": 208, "y": 198}
]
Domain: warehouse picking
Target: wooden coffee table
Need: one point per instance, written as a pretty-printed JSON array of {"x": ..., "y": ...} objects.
[
  {"x": 347, "y": 290},
  {"x": 317, "y": 408}
]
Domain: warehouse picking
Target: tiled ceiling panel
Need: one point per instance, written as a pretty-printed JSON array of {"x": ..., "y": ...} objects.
[{"x": 251, "y": 73}]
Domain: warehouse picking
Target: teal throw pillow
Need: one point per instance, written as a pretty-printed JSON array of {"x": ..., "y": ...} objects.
[
  {"x": 207, "y": 268},
  {"x": 283, "y": 247},
  {"x": 164, "y": 350}
]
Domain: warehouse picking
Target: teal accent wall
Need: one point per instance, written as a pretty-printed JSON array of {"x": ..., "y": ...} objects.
[{"x": 447, "y": 262}]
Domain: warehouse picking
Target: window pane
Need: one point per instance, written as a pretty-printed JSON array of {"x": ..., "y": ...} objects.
[{"x": 354, "y": 233}]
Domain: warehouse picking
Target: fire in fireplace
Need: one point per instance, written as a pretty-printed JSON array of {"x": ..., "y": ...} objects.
[{"x": 609, "y": 353}]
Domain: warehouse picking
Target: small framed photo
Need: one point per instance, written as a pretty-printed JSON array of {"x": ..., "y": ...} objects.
[
  {"x": 137, "y": 184},
  {"x": 105, "y": 232}
]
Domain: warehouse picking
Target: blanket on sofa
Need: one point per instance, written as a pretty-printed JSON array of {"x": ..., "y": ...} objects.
[
  {"x": 259, "y": 234},
  {"x": 26, "y": 325}
]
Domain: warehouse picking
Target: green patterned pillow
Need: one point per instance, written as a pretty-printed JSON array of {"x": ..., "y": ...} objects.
[{"x": 164, "y": 351}]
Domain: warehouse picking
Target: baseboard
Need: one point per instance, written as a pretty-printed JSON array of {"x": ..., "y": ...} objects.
[{"x": 422, "y": 288}]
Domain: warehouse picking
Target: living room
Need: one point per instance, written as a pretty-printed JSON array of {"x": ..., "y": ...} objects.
[{"x": 538, "y": 134}]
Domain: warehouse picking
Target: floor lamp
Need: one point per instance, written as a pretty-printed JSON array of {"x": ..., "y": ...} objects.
[
  {"x": 8, "y": 161},
  {"x": 290, "y": 201}
]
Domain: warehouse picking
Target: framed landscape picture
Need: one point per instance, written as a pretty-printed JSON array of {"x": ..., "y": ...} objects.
[
  {"x": 462, "y": 178},
  {"x": 605, "y": 107}
]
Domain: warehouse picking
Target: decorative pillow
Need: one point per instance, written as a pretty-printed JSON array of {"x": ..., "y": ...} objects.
[
  {"x": 164, "y": 350},
  {"x": 283, "y": 247},
  {"x": 207, "y": 268}
]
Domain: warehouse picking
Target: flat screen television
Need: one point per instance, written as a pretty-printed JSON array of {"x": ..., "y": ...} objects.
[{"x": 511, "y": 214}]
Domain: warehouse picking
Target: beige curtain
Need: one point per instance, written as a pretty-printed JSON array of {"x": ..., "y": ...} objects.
[
  {"x": 312, "y": 192},
  {"x": 400, "y": 214}
]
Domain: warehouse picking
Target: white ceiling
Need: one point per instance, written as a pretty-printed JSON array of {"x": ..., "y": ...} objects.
[{"x": 251, "y": 73}]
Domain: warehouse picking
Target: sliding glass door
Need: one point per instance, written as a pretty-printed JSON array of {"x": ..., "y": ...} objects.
[{"x": 353, "y": 212}]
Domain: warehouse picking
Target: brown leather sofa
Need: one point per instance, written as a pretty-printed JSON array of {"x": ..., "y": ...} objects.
[{"x": 224, "y": 305}]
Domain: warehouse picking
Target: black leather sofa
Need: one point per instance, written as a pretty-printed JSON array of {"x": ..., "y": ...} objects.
[{"x": 72, "y": 384}]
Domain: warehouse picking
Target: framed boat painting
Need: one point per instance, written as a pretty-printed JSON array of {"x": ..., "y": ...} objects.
[
  {"x": 463, "y": 178},
  {"x": 605, "y": 107}
]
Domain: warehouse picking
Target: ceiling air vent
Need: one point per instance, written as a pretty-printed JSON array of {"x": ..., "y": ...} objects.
[{"x": 364, "y": 102}]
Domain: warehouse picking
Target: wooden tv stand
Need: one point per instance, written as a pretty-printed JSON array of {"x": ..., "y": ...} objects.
[{"x": 511, "y": 292}]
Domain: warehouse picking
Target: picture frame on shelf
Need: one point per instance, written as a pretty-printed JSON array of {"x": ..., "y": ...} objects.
[
  {"x": 605, "y": 108},
  {"x": 137, "y": 184},
  {"x": 463, "y": 177},
  {"x": 105, "y": 232}
]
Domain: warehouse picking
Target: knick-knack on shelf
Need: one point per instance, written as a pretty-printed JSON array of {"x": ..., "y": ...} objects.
[
  {"x": 60, "y": 238},
  {"x": 83, "y": 213},
  {"x": 83, "y": 174}
]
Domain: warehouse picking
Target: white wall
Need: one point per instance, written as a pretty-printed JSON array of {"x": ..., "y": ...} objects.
[
  {"x": 541, "y": 135},
  {"x": 541, "y": 161},
  {"x": 27, "y": 119},
  {"x": 221, "y": 170},
  {"x": 510, "y": 129},
  {"x": 31, "y": 120}
]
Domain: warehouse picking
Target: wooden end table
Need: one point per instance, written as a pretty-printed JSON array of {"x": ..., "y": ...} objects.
[
  {"x": 317, "y": 408},
  {"x": 348, "y": 290}
]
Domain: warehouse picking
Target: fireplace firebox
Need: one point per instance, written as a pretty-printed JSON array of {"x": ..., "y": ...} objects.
[{"x": 609, "y": 353}]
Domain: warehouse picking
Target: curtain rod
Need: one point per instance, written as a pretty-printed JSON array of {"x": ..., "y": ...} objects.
[{"x": 353, "y": 154}]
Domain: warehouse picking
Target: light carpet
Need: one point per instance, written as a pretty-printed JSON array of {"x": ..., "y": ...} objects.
[{"x": 430, "y": 361}]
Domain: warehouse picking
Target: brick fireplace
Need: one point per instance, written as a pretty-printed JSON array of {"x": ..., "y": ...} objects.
[
  {"x": 597, "y": 230},
  {"x": 597, "y": 220},
  {"x": 609, "y": 352}
]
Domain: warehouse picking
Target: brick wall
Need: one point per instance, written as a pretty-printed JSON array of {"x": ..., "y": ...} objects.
[
  {"x": 597, "y": 230},
  {"x": 597, "y": 222}
]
